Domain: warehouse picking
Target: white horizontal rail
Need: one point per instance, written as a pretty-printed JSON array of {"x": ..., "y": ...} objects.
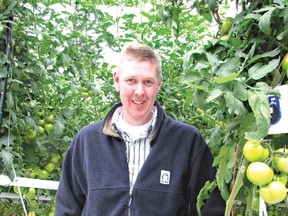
[
  {"x": 29, "y": 182},
  {"x": 17, "y": 196}
]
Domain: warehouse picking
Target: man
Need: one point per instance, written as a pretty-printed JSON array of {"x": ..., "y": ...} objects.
[{"x": 137, "y": 161}]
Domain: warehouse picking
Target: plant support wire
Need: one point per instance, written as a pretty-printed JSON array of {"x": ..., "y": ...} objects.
[{"x": 8, "y": 47}]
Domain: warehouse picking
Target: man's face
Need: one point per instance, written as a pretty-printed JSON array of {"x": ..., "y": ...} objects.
[{"x": 138, "y": 85}]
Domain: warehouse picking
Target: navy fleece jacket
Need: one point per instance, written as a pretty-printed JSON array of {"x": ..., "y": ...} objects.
[{"x": 95, "y": 178}]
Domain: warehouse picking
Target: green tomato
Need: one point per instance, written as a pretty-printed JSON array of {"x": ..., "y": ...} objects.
[
  {"x": 285, "y": 62},
  {"x": 273, "y": 193},
  {"x": 41, "y": 122},
  {"x": 259, "y": 173},
  {"x": 282, "y": 177},
  {"x": 31, "y": 134},
  {"x": 41, "y": 130},
  {"x": 55, "y": 159},
  {"x": 34, "y": 204},
  {"x": 281, "y": 160},
  {"x": 17, "y": 191},
  {"x": 40, "y": 113},
  {"x": 31, "y": 193},
  {"x": 31, "y": 213},
  {"x": 50, "y": 167},
  {"x": 84, "y": 94},
  {"x": 49, "y": 118},
  {"x": 253, "y": 150},
  {"x": 43, "y": 174},
  {"x": 48, "y": 127},
  {"x": 265, "y": 155}
]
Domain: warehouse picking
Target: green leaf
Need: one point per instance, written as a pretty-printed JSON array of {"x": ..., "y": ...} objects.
[
  {"x": 227, "y": 78},
  {"x": 265, "y": 20},
  {"x": 3, "y": 72},
  {"x": 204, "y": 194},
  {"x": 271, "y": 54},
  {"x": 259, "y": 104},
  {"x": 10, "y": 101},
  {"x": 258, "y": 70},
  {"x": 240, "y": 91},
  {"x": 231, "y": 65},
  {"x": 233, "y": 104},
  {"x": 221, "y": 162},
  {"x": 10, "y": 8},
  {"x": 213, "y": 60},
  {"x": 214, "y": 94},
  {"x": 7, "y": 157}
]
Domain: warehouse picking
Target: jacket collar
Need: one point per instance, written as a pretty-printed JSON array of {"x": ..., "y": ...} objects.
[{"x": 107, "y": 128}]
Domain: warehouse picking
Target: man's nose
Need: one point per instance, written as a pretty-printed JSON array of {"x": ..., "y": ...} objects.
[{"x": 139, "y": 89}]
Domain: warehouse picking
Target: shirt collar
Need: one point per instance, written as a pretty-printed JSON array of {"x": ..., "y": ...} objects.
[{"x": 132, "y": 132}]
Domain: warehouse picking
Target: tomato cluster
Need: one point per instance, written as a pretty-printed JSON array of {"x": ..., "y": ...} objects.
[{"x": 267, "y": 170}]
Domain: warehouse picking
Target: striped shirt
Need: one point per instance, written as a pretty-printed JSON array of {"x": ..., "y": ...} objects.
[{"x": 137, "y": 140}]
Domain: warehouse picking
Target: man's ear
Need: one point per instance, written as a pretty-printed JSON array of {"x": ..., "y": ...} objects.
[{"x": 116, "y": 80}]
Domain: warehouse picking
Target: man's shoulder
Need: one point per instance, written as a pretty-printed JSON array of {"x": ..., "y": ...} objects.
[{"x": 91, "y": 127}]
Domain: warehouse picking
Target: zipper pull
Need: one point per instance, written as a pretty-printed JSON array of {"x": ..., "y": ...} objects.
[{"x": 130, "y": 201}]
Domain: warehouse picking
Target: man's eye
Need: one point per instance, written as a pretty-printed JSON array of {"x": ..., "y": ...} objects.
[
  {"x": 148, "y": 82},
  {"x": 130, "y": 81}
]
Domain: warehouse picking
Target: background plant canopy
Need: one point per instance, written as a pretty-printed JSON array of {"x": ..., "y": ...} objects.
[{"x": 57, "y": 59}]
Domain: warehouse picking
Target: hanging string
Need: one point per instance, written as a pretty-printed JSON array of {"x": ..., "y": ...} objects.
[
  {"x": 8, "y": 52},
  {"x": 262, "y": 207}
]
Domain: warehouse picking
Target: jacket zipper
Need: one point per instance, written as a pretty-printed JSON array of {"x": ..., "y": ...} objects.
[{"x": 130, "y": 201}]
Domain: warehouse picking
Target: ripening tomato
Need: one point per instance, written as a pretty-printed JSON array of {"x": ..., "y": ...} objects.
[
  {"x": 50, "y": 118},
  {"x": 54, "y": 159},
  {"x": 280, "y": 160},
  {"x": 259, "y": 173},
  {"x": 253, "y": 150},
  {"x": 265, "y": 155},
  {"x": 31, "y": 213},
  {"x": 285, "y": 62},
  {"x": 50, "y": 167},
  {"x": 31, "y": 193},
  {"x": 273, "y": 193},
  {"x": 48, "y": 127},
  {"x": 282, "y": 177},
  {"x": 43, "y": 174}
]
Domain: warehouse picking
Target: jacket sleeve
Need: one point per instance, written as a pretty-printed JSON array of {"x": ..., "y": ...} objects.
[
  {"x": 202, "y": 171},
  {"x": 70, "y": 198}
]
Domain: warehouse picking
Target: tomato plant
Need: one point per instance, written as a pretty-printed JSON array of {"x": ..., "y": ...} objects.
[{"x": 228, "y": 78}]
